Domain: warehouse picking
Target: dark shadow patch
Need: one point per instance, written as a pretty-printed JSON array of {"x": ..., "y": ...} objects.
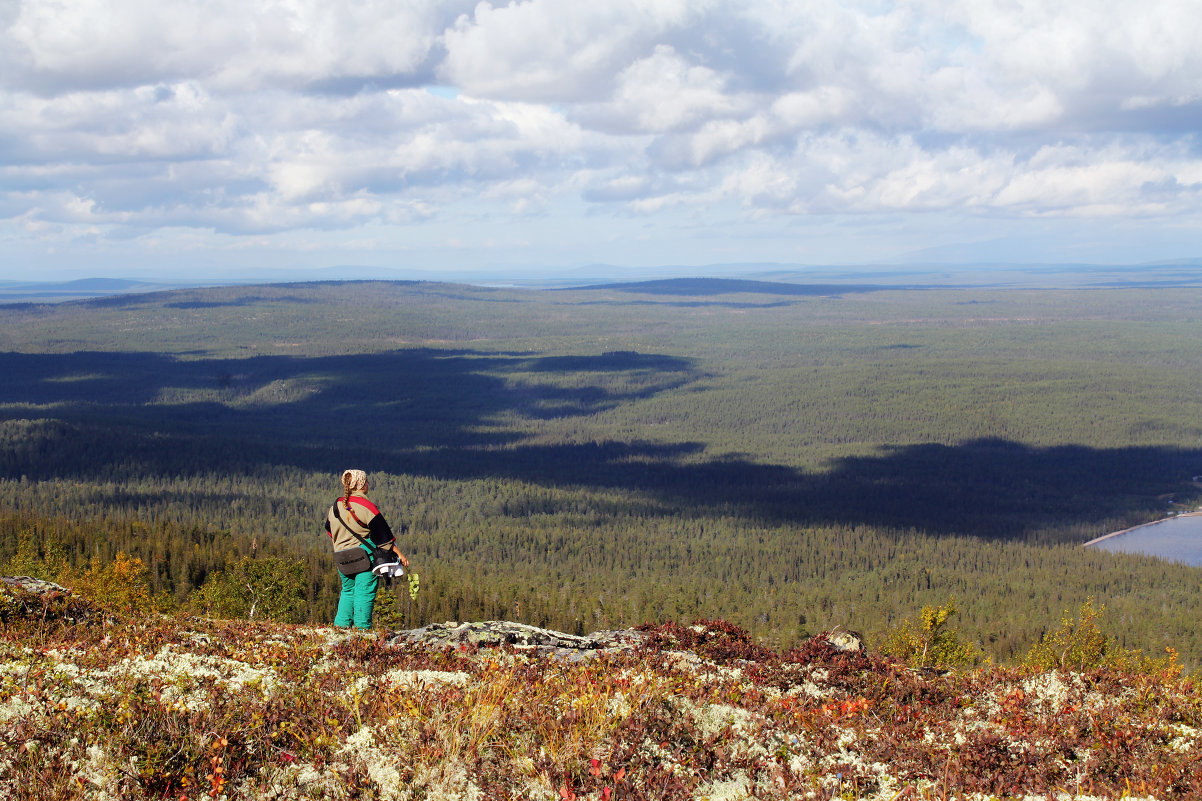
[
  {"x": 244, "y": 300},
  {"x": 103, "y": 416},
  {"x": 696, "y": 304}
]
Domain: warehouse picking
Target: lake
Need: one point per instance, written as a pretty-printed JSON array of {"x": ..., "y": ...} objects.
[{"x": 1178, "y": 538}]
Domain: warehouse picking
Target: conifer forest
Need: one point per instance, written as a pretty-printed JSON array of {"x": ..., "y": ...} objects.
[{"x": 787, "y": 457}]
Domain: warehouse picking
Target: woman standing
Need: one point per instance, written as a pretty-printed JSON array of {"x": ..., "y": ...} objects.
[{"x": 354, "y": 524}]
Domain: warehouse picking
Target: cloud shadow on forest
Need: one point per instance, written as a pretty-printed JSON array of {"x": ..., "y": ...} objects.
[{"x": 449, "y": 414}]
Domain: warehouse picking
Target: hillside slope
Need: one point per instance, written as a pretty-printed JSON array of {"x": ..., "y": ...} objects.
[{"x": 94, "y": 706}]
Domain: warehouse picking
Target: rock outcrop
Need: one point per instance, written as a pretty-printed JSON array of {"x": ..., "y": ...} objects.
[
  {"x": 493, "y": 633},
  {"x": 547, "y": 642},
  {"x": 24, "y": 596},
  {"x": 33, "y": 585}
]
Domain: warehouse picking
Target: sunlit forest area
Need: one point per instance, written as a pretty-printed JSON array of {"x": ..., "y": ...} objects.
[{"x": 787, "y": 457}]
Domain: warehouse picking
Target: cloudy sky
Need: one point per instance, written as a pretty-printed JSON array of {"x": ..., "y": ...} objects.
[{"x": 227, "y": 137}]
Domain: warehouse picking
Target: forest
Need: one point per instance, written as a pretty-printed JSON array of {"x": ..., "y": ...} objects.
[{"x": 786, "y": 456}]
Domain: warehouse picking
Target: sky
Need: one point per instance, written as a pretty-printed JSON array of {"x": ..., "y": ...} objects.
[{"x": 224, "y": 138}]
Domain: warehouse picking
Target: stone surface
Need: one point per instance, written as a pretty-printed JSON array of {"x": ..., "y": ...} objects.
[
  {"x": 35, "y": 585},
  {"x": 497, "y": 633},
  {"x": 845, "y": 640},
  {"x": 494, "y": 633},
  {"x": 26, "y": 597}
]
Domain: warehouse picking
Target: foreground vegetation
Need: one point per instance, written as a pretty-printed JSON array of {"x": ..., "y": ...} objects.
[
  {"x": 97, "y": 705},
  {"x": 786, "y": 457}
]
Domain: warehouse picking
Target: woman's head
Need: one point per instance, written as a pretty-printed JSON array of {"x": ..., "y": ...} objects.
[{"x": 354, "y": 481}]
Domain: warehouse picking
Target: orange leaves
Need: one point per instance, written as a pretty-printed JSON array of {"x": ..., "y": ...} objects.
[
  {"x": 216, "y": 776},
  {"x": 844, "y": 709}
]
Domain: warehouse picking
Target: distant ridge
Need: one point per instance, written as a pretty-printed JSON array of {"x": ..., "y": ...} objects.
[
  {"x": 104, "y": 284},
  {"x": 728, "y": 286},
  {"x": 87, "y": 288}
]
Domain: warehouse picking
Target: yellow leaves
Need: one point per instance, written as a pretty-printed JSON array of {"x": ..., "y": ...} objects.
[
  {"x": 121, "y": 586},
  {"x": 931, "y": 642},
  {"x": 1080, "y": 644}
]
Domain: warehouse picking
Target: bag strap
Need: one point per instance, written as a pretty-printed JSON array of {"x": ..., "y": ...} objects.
[{"x": 370, "y": 545}]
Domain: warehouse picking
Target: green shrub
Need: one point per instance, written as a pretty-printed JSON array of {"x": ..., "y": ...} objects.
[
  {"x": 269, "y": 588},
  {"x": 37, "y": 558}
]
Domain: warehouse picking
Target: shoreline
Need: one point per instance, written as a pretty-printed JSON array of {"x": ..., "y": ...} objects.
[{"x": 1096, "y": 540}]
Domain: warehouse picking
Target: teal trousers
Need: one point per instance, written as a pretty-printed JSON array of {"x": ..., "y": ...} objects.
[{"x": 357, "y": 600}]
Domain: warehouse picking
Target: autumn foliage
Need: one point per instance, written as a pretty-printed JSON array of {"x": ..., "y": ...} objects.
[{"x": 149, "y": 706}]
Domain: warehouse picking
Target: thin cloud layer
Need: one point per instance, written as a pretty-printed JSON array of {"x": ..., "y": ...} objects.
[{"x": 121, "y": 119}]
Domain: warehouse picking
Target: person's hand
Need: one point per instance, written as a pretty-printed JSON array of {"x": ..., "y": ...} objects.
[{"x": 404, "y": 561}]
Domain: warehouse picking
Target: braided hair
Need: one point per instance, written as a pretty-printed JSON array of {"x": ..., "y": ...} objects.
[{"x": 352, "y": 480}]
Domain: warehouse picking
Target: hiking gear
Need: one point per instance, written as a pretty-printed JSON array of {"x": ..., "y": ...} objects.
[
  {"x": 389, "y": 570},
  {"x": 345, "y": 519},
  {"x": 352, "y": 561}
]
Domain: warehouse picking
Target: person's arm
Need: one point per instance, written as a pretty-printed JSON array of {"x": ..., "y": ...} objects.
[{"x": 380, "y": 533}]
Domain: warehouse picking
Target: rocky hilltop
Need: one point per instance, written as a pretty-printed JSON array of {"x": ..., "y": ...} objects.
[
  {"x": 545, "y": 642},
  {"x": 98, "y": 705}
]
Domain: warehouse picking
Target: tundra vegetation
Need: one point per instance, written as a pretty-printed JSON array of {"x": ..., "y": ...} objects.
[
  {"x": 96, "y": 704},
  {"x": 788, "y": 458}
]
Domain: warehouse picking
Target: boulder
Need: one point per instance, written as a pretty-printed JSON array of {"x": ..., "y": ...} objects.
[
  {"x": 494, "y": 633},
  {"x": 845, "y": 640},
  {"x": 33, "y": 585},
  {"x": 28, "y": 597}
]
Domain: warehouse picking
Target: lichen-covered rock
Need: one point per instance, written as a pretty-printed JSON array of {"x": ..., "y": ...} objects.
[
  {"x": 494, "y": 633},
  {"x": 33, "y": 585},
  {"x": 845, "y": 640},
  {"x": 28, "y": 597}
]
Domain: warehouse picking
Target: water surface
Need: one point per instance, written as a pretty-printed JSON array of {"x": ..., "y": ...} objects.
[{"x": 1178, "y": 538}]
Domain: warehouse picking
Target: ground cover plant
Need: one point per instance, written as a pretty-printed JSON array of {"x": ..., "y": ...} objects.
[{"x": 99, "y": 705}]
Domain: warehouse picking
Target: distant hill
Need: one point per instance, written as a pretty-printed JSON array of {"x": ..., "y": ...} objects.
[
  {"x": 85, "y": 288},
  {"x": 728, "y": 286}
]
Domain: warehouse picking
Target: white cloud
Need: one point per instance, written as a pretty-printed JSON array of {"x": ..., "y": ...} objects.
[
  {"x": 664, "y": 92},
  {"x": 123, "y": 116},
  {"x": 556, "y": 50},
  {"x": 61, "y": 45}
]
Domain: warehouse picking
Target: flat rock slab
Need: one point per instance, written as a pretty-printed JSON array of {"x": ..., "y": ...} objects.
[
  {"x": 27, "y": 597},
  {"x": 34, "y": 585},
  {"x": 495, "y": 633}
]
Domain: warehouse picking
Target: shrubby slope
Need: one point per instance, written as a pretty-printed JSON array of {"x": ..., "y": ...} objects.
[{"x": 98, "y": 706}]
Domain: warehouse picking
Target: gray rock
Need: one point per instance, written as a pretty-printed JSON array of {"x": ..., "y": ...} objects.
[
  {"x": 28, "y": 597},
  {"x": 845, "y": 640},
  {"x": 36, "y": 586},
  {"x": 496, "y": 633}
]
